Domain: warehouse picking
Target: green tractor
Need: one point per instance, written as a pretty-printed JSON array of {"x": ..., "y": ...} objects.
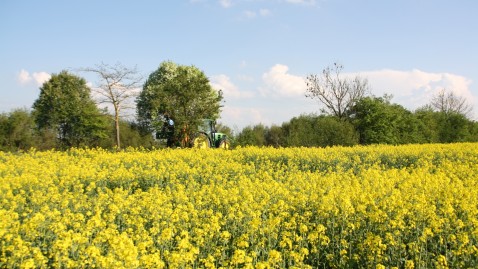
[{"x": 208, "y": 137}]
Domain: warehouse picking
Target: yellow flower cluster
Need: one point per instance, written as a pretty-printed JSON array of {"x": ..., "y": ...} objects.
[{"x": 413, "y": 206}]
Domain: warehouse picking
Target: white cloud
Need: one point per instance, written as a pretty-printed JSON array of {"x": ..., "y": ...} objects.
[
  {"x": 225, "y": 3},
  {"x": 38, "y": 78},
  {"x": 278, "y": 82},
  {"x": 410, "y": 88},
  {"x": 24, "y": 77},
  {"x": 264, "y": 12},
  {"x": 224, "y": 83},
  {"x": 242, "y": 116},
  {"x": 41, "y": 77},
  {"x": 415, "y": 88}
]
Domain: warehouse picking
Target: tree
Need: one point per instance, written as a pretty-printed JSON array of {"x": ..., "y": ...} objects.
[
  {"x": 333, "y": 131},
  {"x": 445, "y": 127},
  {"x": 299, "y": 131},
  {"x": 181, "y": 92},
  {"x": 319, "y": 131},
  {"x": 338, "y": 94},
  {"x": 275, "y": 136},
  {"x": 429, "y": 124},
  {"x": 252, "y": 136},
  {"x": 17, "y": 130},
  {"x": 455, "y": 127},
  {"x": 66, "y": 108},
  {"x": 448, "y": 102},
  {"x": 118, "y": 85},
  {"x": 378, "y": 121}
]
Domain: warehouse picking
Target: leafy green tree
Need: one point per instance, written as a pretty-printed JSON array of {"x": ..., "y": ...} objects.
[
  {"x": 333, "y": 131},
  {"x": 319, "y": 131},
  {"x": 378, "y": 121},
  {"x": 410, "y": 128},
  {"x": 17, "y": 130},
  {"x": 451, "y": 117},
  {"x": 65, "y": 108},
  {"x": 45, "y": 139},
  {"x": 473, "y": 128},
  {"x": 181, "y": 92},
  {"x": 275, "y": 136},
  {"x": 4, "y": 132},
  {"x": 455, "y": 127},
  {"x": 445, "y": 126},
  {"x": 131, "y": 136},
  {"x": 428, "y": 124},
  {"x": 299, "y": 132},
  {"x": 252, "y": 136}
]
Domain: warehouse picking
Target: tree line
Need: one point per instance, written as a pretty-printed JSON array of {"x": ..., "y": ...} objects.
[
  {"x": 376, "y": 121},
  {"x": 350, "y": 115},
  {"x": 65, "y": 114}
]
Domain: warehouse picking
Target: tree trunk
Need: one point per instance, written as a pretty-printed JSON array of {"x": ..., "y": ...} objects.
[{"x": 117, "y": 128}]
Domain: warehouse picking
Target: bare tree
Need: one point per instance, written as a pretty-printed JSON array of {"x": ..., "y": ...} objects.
[
  {"x": 448, "y": 102},
  {"x": 337, "y": 93},
  {"x": 118, "y": 85}
]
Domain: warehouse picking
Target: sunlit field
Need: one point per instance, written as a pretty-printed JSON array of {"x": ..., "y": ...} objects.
[{"x": 410, "y": 206}]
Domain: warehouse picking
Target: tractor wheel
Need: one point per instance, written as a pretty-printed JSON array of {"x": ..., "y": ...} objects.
[
  {"x": 224, "y": 144},
  {"x": 201, "y": 142}
]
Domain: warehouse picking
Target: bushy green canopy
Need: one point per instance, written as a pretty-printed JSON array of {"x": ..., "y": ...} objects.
[
  {"x": 66, "y": 107},
  {"x": 182, "y": 92}
]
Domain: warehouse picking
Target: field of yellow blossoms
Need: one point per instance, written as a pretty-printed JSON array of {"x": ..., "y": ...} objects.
[{"x": 413, "y": 206}]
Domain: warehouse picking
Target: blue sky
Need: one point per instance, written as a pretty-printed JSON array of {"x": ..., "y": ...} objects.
[{"x": 257, "y": 51}]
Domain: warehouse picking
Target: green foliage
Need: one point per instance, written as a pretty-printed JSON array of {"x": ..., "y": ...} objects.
[
  {"x": 252, "y": 136},
  {"x": 446, "y": 127},
  {"x": 64, "y": 116},
  {"x": 275, "y": 136},
  {"x": 130, "y": 136},
  {"x": 65, "y": 107},
  {"x": 182, "y": 92},
  {"x": 322, "y": 131},
  {"x": 16, "y": 130},
  {"x": 455, "y": 127},
  {"x": 302, "y": 131},
  {"x": 380, "y": 122},
  {"x": 429, "y": 125}
]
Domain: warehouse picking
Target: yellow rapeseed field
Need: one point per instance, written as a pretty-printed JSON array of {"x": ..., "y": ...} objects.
[{"x": 413, "y": 206}]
